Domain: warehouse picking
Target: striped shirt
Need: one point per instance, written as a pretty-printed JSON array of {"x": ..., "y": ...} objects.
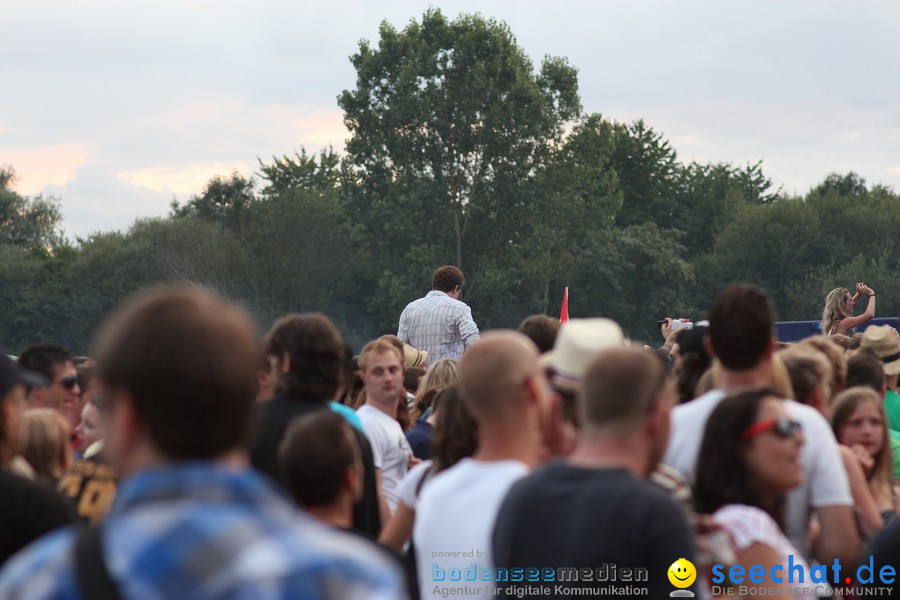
[
  {"x": 203, "y": 531},
  {"x": 439, "y": 325}
]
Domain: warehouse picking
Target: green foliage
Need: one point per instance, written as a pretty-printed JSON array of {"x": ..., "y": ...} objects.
[
  {"x": 647, "y": 169},
  {"x": 450, "y": 127},
  {"x": 303, "y": 172},
  {"x": 710, "y": 197},
  {"x": 224, "y": 201},
  {"x": 27, "y": 221},
  {"x": 801, "y": 248}
]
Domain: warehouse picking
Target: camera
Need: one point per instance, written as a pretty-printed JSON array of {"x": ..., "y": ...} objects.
[{"x": 677, "y": 324}]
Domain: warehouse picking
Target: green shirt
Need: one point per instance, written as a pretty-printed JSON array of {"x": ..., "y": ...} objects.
[{"x": 892, "y": 408}]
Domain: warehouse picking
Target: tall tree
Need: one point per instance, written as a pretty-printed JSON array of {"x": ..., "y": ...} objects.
[
  {"x": 647, "y": 169},
  {"x": 449, "y": 125},
  {"x": 301, "y": 172},
  {"x": 224, "y": 200},
  {"x": 709, "y": 196}
]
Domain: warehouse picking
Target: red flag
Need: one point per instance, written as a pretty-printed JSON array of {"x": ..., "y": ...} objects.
[{"x": 564, "y": 313}]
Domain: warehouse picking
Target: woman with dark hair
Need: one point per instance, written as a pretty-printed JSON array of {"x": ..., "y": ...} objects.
[
  {"x": 749, "y": 459},
  {"x": 691, "y": 361},
  {"x": 455, "y": 437}
]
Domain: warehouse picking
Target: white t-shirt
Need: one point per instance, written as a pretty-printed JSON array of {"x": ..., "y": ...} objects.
[
  {"x": 409, "y": 490},
  {"x": 390, "y": 450},
  {"x": 456, "y": 513},
  {"x": 824, "y": 478},
  {"x": 750, "y": 525}
]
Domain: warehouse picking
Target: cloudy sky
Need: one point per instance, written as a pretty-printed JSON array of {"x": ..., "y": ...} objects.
[{"x": 117, "y": 106}]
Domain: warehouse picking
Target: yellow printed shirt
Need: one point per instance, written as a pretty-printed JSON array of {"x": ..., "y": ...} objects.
[{"x": 90, "y": 485}]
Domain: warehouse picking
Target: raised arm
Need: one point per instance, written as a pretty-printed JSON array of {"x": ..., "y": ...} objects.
[{"x": 849, "y": 323}]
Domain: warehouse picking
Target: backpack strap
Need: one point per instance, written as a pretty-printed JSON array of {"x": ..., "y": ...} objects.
[{"x": 93, "y": 577}]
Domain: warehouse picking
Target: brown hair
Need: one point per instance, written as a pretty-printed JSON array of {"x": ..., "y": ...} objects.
[
  {"x": 835, "y": 355},
  {"x": 723, "y": 475},
  {"x": 314, "y": 457},
  {"x": 446, "y": 278},
  {"x": 45, "y": 442},
  {"x": 620, "y": 386},
  {"x": 188, "y": 360},
  {"x": 807, "y": 369},
  {"x": 840, "y": 339},
  {"x": 441, "y": 374},
  {"x": 45, "y": 358},
  {"x": 541, "y": 330},
  {"x": 741, "y": 319},
  {"x": 865, "y": 369},
  {"x": 316, "y": 352},
  {"x": 394, "y": 341},
  {"x": 834, "y": 311},
  {"x": 843, "y": 407},
  {"x": 456, "y": 430},
  {"x": 379, "y": 346}
]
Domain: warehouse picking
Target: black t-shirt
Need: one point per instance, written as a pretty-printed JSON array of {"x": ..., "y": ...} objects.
[
  {"x": 272, "y": 420},
  {"x": 28, "y": 510},
  {"x": 602, "y": 520}
]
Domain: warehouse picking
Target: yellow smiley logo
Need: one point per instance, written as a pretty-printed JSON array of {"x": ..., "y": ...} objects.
[{"x": 682, "y": 573}]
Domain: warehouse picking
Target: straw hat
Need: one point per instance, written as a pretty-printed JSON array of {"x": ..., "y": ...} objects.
[
  {"x": 578, "y": 342},
  {"x": 884, "y": 342},
  {"x": 413, "y": 358}
]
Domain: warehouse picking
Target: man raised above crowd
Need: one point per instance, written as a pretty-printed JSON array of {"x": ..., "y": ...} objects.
[
  {"x": 439, "y": 323},
  {"x": 192, "y": 519}
]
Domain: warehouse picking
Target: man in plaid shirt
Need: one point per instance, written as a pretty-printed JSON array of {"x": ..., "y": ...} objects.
[
  {"x": 439, "y": 323},
  {"x": 191, "y": 519}
]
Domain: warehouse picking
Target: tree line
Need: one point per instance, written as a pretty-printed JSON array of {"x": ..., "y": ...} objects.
[{"x": 462, "y": 151}]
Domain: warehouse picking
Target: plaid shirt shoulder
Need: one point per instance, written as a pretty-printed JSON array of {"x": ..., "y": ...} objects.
[
  {"x": 208, "y": 533},
  {"x": 438, "y": 324}
]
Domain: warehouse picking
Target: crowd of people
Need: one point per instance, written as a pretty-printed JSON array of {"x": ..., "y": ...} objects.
[{"x": 189, "y": 457}]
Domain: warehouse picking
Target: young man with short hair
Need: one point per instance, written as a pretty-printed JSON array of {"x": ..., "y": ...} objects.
[
  {"x": 56, "y": 364},
  {"x": 381, "y": 365},
  {"x": 740, "y": 335}
]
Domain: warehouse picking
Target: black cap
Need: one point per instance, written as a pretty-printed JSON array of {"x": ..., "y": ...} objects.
[{"x": 11, "y": 374}]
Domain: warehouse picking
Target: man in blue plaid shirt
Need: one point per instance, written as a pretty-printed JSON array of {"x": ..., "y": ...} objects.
[{"x": 191, "y": 519}]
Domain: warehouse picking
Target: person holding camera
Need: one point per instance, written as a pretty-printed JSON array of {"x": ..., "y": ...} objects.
[{"x": 838, "y": 318}]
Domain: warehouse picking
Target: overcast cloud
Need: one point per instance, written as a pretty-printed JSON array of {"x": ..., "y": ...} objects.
[{"x": 116, "y": 107}]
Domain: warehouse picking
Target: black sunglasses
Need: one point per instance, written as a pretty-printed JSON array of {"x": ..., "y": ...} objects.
[{"x": 69, "y": 382}]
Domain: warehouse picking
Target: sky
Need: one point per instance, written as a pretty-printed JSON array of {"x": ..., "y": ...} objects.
[{"x": 117, "y": 107}]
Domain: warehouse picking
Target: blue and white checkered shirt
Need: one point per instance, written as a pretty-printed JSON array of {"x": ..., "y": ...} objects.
[
  {"x": 203, "y": 531},
  {"x": 438, "y": 324}
]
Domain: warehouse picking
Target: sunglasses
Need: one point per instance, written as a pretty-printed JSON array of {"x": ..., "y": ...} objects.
[
  {"x": 69, "y": 382},
  {"x": 783, "y": 428}
]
